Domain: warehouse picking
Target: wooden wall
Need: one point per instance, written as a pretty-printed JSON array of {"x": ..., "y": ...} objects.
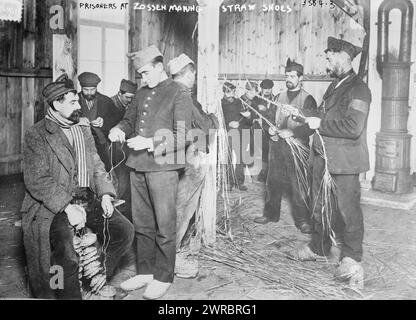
[
  {"x": 257, "y": 44},
  {"x": 171, "y": 32},
  {"x": 25, "y": 60}
]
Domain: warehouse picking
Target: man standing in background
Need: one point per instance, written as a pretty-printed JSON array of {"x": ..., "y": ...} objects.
[
  {"x": 282, "y": 172},
  {"x": 98, "y": 110},
  {"x": 182, "y": 69},
  {"x": 120, "y": 152},
  {"x": 266, "y": 92}
]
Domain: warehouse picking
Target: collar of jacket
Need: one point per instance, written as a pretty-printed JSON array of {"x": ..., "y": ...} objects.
[
  {"x": 51, "y": 126},
  {"x": 162, "y": 84}
]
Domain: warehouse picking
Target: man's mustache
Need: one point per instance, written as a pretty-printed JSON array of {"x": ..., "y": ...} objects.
[{"x": 74, "y": 117}]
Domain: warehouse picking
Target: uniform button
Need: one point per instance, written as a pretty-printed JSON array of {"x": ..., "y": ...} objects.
[
  {"x": 142, "y": 121},
  {"x": 145, "y": 113},
  {"x": 146, "y": 105},
  {"x": 153, "y": 92},
  {"x": 141, "y": 129},
  {"x": 148, "y": 98}
]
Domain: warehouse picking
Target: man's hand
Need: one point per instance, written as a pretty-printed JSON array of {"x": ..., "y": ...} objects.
[
  {"x": 107, "y": 206},
  {"x": 77, "y": 216},
  {"x": 313, "y": 122},
  {"x": 140, "y": 143},
  {"x": 83, "y": 121},
  {"x": 285, "y": 133},
  {"x": 273, "y": 131},
  {"x": 234, "y": 124},
  {"x": 98, "y": 123},
  {"x": 262, "y": 108},
  {"x": 117, "y": 135},
  {"x": 246, "y": 114}
]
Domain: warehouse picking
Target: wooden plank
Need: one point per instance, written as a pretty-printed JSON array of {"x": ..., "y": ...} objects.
[
  {"x": 274, "y": 77},
  {"x": 26, "y": 73},
  {"x": 3, "y": 115},
  {"x": 11, "y": 158}
]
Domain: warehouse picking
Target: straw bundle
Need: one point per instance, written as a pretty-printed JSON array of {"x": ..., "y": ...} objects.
[
  {"x": 327, "y": 193},
  {"x": 275, "y": 269}
]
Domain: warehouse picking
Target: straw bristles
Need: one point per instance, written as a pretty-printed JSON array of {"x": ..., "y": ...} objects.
[{"x": 275, "y": 269}]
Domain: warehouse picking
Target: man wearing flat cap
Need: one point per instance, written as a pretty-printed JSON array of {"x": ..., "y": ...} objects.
[
  {"x": 182, "y": 70},
  {"x": 343, "y": 127},
  {"x": 122, "y": 101},
  {"x": 266, "y": 98},
  {"x": 282, "y": 171},
  {"x": 155, "y": 124},
  {"x": 98, "y": 110},
  {"x": 67, "y": 189}
]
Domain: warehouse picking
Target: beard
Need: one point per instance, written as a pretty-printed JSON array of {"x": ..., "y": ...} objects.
[
  {"x": 334, "y": 72},
  {"x": 89, "y": 97},
  {"x": 290, "y": 85},
  {"x": 74, "y": 117}
]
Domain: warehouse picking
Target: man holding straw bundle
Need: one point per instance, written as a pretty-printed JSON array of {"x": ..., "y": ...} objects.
[
  {"x": 339, "y": 155},
  {"x": 282, "y": 169}
]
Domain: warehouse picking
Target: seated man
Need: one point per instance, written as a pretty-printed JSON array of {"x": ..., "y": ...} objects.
[{"x": 62, "y": 172}]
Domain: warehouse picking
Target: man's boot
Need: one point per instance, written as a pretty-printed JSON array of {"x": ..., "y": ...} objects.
[
  {"x": 304, "y": 253},
  {"x": 351, "y": 271}
]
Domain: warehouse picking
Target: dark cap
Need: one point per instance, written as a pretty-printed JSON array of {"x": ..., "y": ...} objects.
[
  {"x": 228, "y": 86},
  {"x": 251, "y": 85},
  {"x": 128, "y": 86},
  {"x": 266, "y": 84},
  {"x": 89, "y": 79},
  {"x": 338, "y": 45},
  {"x": 291, "y": 65},
  {"x": 59, "y": 87}
]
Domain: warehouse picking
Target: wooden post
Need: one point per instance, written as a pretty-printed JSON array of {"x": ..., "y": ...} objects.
[
  {"x": 28, "y": 84},
  {"x": 208, "y": 69}
]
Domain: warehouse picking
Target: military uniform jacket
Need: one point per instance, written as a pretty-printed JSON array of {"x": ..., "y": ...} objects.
[
  {"x": 344, "y": 113},
  {"x": 50, "y": 176},
  {"x": 163, "y": 113}
]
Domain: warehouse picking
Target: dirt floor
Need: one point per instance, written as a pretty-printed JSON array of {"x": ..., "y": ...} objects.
[{"x": 255, "y": 264}]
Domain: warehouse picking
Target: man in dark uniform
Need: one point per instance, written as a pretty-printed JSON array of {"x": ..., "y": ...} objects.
[
  {"x": 267, "y": 93},
  {"x": 156, "y": 122},
  {"x": 343, "y": 127},
  {"x": 236, "y": 119},
  {"x": 97, "y": 110},
  {"x": 122, "y": 101},
  {"x": 182, "y": 69},
  {"x": 282, "y": 175}
]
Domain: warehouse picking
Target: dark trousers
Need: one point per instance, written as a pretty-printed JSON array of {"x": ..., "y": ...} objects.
[
  {"x": 236, "y": 176},
  {"x": 154, "y": 218},
  {"x": 281, "y": 178},
  {"x": 63, "y": 253},
  {"x": 346, "y": 219}
]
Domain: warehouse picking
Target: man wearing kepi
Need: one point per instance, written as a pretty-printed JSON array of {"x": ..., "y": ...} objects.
[
  {"x": 182, "y": 69},
  {"x": 343, "y": 127},
  {"x": 97, "y": 110},
  {"x": 63, "y": 171},
  {"x": 282, "y": 171},
  {"x": 156, "y": 123}
]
